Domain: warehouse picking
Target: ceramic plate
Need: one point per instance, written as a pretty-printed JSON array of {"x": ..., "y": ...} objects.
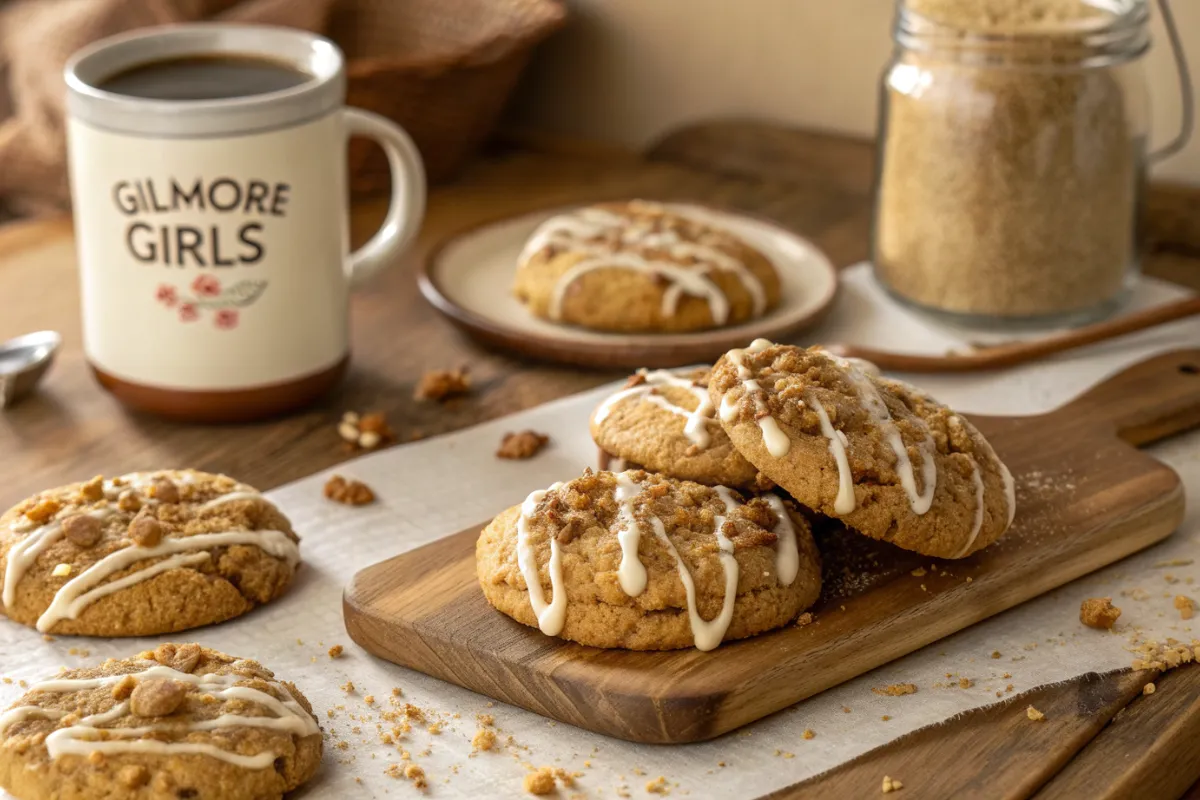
[{"x": 468, "y": 278}]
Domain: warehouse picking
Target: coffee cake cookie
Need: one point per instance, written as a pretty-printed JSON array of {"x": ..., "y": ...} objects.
[
  {"x": 637, "y": 266},
  {"x": 143, "y": 554},
  {"x": 176, "y": 722},
  {"x": 885, "y": 458},
  {"x": 645, "y": 562},
  {"x": 665, "y": 422}
]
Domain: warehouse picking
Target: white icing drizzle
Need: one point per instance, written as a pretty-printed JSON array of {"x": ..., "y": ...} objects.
[
  {"x": 696, "y": 427},
  {"x": 787, "y": 551},
  {"x": 631, "y": 573},
  {"x": 551, "y": 617},
  {"x": 707, "y": 634},
  {"x": 977, "y": 479},
  {"x": 82, "y": 590},
  {"x": 77, "y": 594},
  {"x": 872, "y": 401},
  {"x": 777, "y": 442},
  {"x": 844, "y": 503},
  {"x": 575, "y": 229},
  {"x": 79, "y": 739}
]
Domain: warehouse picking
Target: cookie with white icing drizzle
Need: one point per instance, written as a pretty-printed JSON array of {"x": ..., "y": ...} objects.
[
  {"x": 882, "y": 456},
  {"x": 663, "y": 421},
  {"x": 176, "y": 722},
  {"x": 640, "y": 561},
  {"x": 143, "y": 554},
  {"x": 640, "y": 267}
]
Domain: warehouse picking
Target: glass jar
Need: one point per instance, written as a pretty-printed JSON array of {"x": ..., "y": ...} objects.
[{"x": 1012, "y": 155}]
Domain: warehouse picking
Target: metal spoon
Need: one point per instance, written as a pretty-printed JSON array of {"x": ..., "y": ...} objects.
[{"x": 23, "y": 362}]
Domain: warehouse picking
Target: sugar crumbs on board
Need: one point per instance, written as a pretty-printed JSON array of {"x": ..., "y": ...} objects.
[
  {"x": 1034, "y": 714},
  {"x": 890, "y": 785}
]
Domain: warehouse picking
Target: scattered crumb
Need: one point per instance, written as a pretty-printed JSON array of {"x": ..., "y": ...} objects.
[
  {"x": 896, "y": 689},
  {"x": 540, "y": 781},
  {"x": 919, "y": 572},
  {"x": 996, "y": 654},
  {"x": 891, "y": 785},
  {"x": 658, "y": 786},
  {"x": 369, "y": 699},
  {"x": 1164, "y": 656},
  {"x": 397, "y": 691},
  {"x": 804, "y": 619},
  {"x": 1176, "y": 562},
  {"x": 523, "y": 445},
  {"x": 1099, "y": 613},
  {"x": 435, "y": 728},
  {"x": 410, "y": 771},
  {"x": 808, "y": 733},
  {"x": 965, "y": 683},
  {"x": 1034, "y": 714},
  {"x": 348, "y": 492},
  {"x": 485, "y": 739},
  {"x": 1186, "y": 606},
  {"x": 336, "y": 651},
  {"x": 348, "y": 687},
  {"x": 1148, "y": 688},
  {"x": 846, "y": 709},
  {"x": 486, "y": 720},
  {"x": 439, "y": 384},
  {"x": 886, "y": 717}
]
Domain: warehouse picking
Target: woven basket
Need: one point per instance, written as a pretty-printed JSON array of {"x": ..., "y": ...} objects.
[{"x": 443, "y": 69}]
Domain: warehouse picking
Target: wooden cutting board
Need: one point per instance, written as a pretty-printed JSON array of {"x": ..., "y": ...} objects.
[{"x": 1086, "y": 498}]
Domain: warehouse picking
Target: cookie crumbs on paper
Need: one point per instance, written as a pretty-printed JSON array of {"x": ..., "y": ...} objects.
[
  {"x": 540, "y": 781},
  {"x": 1185, "y": 606},
  {"x": 522, "y": 445},
  {"x": 895, "y": 689},
  {"x": 658, "y": 786},
  {"x": 336, "y": 651},
  {"x": 1099, "y": 613}
]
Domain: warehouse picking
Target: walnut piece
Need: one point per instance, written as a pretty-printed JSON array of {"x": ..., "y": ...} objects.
[
  {"x": 129, "y": 501},
  {"x": 1099, "y": 613},
  {"x": 440, "y": 384},
  {"x": 157, "y": 697},
  {"x": 365, "y": 432},
  {"x": 181, "y": 658},
  {"x": 519, "y": 446},
  {"x": 348, "y": 492},
  {"x": 146, "y": 531},
  {"x": 82, "y": 530},
  {"x": 164, "y": 491}
]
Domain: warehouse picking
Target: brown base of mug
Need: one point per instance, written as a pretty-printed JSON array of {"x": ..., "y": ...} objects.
[{"x": 224, "y": 406}]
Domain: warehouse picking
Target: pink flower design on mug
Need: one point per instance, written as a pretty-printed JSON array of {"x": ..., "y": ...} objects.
[
  {"x": 188, "y": 313},
  {"x": 227, "y": 318},
  {"x": 206, "y": 286},
  {"x": 166, "y": 295}
]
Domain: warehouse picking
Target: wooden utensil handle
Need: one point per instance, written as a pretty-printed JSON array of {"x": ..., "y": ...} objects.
[{"x": 1147, "y": 402}]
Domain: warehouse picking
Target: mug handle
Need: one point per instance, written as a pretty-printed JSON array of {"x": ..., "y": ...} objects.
[{"x": 407, "y": 207}]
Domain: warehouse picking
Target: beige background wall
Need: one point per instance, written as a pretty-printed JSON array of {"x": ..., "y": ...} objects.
[{"x": 629, "y": 70}]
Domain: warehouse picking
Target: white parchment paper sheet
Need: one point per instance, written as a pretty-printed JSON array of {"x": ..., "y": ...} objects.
[{"x": 437, "y": 487}]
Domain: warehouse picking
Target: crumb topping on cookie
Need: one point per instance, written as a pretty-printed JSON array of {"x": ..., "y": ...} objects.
[
  {"x": 126, "y": 530},
  {"x": 646, "y": 237},
  {"x": 687, "y": 521},
  {"x": 159, "y": 704}
]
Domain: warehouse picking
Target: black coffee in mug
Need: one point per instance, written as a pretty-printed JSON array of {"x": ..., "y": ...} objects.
[{"x": 204, "y": 77}]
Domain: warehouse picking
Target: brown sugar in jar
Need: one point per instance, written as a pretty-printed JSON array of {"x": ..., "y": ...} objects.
[{"x": 1011, "y": 161}]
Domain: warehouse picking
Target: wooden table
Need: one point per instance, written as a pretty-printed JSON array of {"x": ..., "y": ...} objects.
[{"x": 819, "y": 185}]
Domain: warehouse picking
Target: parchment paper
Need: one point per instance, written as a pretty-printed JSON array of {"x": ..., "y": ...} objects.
[{"x": 437, "y": 487}]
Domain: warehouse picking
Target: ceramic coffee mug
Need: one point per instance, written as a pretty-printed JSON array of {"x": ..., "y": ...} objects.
[{"x": 209, "y": 179}]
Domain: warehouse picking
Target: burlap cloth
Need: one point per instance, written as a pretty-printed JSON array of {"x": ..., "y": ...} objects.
[{"x": 37, "y": 37}]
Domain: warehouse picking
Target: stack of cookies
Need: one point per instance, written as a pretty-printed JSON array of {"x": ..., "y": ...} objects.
[{"x": 696, "y": 529}]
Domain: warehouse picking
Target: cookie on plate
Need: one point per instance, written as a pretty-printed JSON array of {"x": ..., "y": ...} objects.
[
  {"x": 175, "y": 722},
  {"x": 639, "y": 267},
  {"x": 664, "y": 422},
  {"x": 644, "y": 562},
  {"x": 143, "y": 554},
  {"x": 885, "y": 458}
]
